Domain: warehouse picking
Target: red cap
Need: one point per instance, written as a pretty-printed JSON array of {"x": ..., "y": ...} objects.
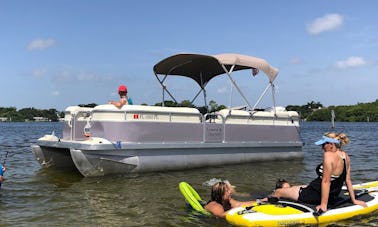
[{"x": 122, "y": 88}]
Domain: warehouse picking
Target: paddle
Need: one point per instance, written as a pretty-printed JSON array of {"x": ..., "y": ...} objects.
[
  {"x": 358, "y": 194},
  {"x": 270, "y": 200}
]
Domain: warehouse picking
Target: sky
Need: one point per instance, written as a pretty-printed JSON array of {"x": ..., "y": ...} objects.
[{"x": 55, "y": 54}]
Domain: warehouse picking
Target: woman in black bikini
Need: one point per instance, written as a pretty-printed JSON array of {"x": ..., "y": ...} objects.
[{"x": 332, "y": 173}]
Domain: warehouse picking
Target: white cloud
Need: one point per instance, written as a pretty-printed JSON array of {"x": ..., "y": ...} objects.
[
  {"x": 327, "y": 23},
  {"x": 68, "y": 75},
  {"x": 40, "y": 73},
  {"x": 55, "y": 93},
  {"x": 40, "y": 44},
  {"x": 223, "y": 90},
  {"x": 87, "y": 77},
  {"x": 295, "y": 61},
  {"x": 63, "y": 77},
  {"x": 351, "y": 62}
]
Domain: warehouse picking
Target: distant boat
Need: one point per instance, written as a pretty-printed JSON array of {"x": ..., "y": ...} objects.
[{"x": 106, "y": 140}]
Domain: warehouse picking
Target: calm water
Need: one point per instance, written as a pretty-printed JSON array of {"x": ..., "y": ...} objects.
[{"x": 32, "y": 196}]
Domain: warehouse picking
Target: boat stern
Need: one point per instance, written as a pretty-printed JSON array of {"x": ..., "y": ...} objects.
[{"x": 49, "y": 153}]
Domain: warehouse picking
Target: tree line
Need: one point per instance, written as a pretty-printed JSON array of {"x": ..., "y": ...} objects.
[
  {"x": 29, "y": 114},
  {"x": 360, "y": 112},
  {"x": 312, "y": 111}
]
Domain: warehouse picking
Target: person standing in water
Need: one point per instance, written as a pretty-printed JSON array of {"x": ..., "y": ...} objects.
[{"x": 2, "y": 170}]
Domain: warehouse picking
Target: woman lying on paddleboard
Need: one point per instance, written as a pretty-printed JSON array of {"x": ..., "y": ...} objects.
[
  {"x": 332, "y": 173},
  {"x": 221, "y": 200}
]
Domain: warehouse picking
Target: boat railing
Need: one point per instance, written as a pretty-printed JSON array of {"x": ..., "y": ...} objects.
[
  {"x": 76, "y": 121},
  {"x": 232, "y": 116}
]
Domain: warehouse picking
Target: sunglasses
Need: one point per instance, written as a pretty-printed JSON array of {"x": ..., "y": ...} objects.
[{"x": 326, "y": 143}]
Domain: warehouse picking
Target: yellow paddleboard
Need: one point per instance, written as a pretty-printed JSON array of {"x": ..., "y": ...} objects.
[{"x": 286, "y": 213}]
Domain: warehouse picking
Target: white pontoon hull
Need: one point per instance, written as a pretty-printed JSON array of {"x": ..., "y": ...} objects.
[{"x": 97, "y": 160}]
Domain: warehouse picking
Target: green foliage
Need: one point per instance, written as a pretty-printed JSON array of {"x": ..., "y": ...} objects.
[
  {"x": 215, "y": 107},
  {"x": 28, "y": 114},
  {"x": 312, "y": 111},
  {"x": 320, "y": 115},
  {"x": 354, "y": 113},
  {"x": 186, "y": 103},
  {"x": 168, "y": 103},
  {"x": 305, "y": 110},
  {"x": 8, "y": 112}
]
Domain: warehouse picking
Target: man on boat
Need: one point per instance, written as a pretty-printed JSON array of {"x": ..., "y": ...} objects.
[{"x": 124, "y": 100}]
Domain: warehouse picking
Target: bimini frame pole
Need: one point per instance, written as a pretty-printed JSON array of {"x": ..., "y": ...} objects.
[
  {"x": 201, "y": 90},
  {"x": 195, "y": 97},
  {"x": 163, "y": 95},
  {"x": 164, "y": 88},
  {"x": 233, "y": 82},
  {"x": 262, "y": 95},
  {"x": 273, "y": 97}
]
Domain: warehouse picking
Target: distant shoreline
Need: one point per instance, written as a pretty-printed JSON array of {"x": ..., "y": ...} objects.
[{"x": 312, "y": 111}]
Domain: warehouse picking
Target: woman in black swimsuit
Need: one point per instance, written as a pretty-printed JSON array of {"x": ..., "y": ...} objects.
[{"x": 332, "y": 173}]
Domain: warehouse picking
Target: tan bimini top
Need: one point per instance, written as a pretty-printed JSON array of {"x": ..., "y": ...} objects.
[{"x": 202, "y": 68}]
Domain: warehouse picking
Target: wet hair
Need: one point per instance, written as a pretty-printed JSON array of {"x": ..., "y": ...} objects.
[
  {"x": 341, "y": 137},
  {"x": 217, "y": 192},
  {"x": 281, "y": 182}
]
